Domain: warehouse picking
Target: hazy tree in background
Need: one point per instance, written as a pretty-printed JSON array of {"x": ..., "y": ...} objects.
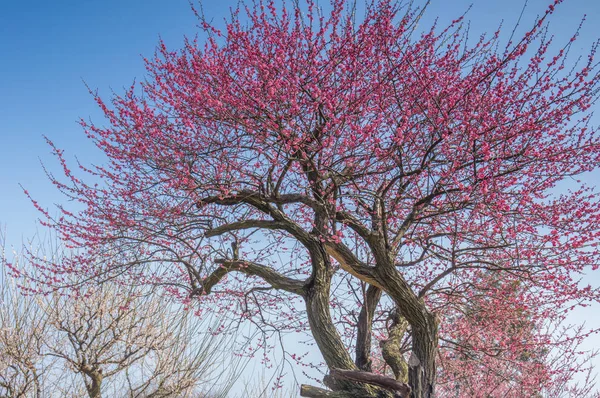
[
  {"x": 133, "y": 342},
  {"x": 106, "y": 340},
  {"x": 22, "y": 332}
]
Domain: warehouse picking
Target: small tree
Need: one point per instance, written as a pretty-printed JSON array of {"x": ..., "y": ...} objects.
[
  {"x": 118, "y": 333},
  {"x": 296, "y": 153},
  {"x": 110, "y": 339}
]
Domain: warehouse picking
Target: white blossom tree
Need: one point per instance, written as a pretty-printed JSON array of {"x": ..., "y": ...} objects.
[{"x": 106, "y": 339}]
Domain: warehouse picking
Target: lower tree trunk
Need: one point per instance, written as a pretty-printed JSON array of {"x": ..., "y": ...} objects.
[
  {"x": 93, "y": 386},
  {"x": 317, "y": 392},
  {"x": 330, "y": 343},
  {"x": 324, "y": 332},
  {"x": 424, "y": 331},
  {"x": 391, "y": 348},
  {"x": 421, "y": 365},
  {"x": 326, "y": 336},
  {"x": 424, "y": 328}
]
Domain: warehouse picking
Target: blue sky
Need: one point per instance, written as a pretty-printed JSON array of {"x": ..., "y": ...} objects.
[{"x": 49, "y": 48}]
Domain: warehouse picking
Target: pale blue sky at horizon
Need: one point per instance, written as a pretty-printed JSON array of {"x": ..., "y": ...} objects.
[{"x": 49, "y": 49}]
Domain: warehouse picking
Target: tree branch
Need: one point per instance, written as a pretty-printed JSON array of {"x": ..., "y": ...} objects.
[
  {"x": 262, "y": 203},
  {"x": 246, "y": 224},
  {"x": 356, "y": 225},
  {"x": 272, "y": 277},
  {"x": 350, "y": 263},
  {"x": 316, "y": 392},
  {"x": 364, "y": 329},
  {"x": 371, "y": 378}
]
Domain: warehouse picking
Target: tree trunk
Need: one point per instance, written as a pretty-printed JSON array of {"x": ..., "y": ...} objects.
[
  {"x": 329, "y": 341},
  {"x": 326, "y": 336},
  {"x": 393, "y": 386},
  {"x": 317, "y": 392},
  {"x": 424, "y": 330},
  {"x": 391, "y": 348},
  {"x": 93, "y": 387},
  {"x": 365, "y": 328},
  {"x": 421, "y": 365}
]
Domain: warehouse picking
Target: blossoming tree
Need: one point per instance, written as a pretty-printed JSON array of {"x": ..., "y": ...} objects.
[
  {"x": 360, "y": 180},
  {"x": 108, "y": 340}
]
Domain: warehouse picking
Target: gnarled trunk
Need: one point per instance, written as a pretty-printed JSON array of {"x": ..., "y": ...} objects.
[
  {"x": 424, "y": 331},
  {"x": 329, "y": 341},
  {"x": 324, "y": 332},
  {"x": 421, "y": 365}
]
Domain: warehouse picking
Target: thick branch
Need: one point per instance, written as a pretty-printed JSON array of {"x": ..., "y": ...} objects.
[
  {"x": 374, "y": 379},
  {"x": 272, "y": 277},
  {"x": 316, "y": 392},
  {"x": 350, "y": 263},
  {"x": 356, "y": 225},
  {"x": 245, "y": 224},
  {"x": 294, "y": 198},
  {"x": 262, "y": 203},
  {"x": 391, "y": 348}
]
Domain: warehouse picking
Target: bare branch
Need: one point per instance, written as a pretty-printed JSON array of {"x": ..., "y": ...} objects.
[{"x": 272, "y": 277}]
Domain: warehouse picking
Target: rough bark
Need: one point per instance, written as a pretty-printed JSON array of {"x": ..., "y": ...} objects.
[
  {"x": 391, "y": 348},
  {"x": 316, "y": 392},
  {"x": 400, "y": 390},
  {"x": 365, "y": 323},
  {"x": 326, "y": 336},
  {"x": 424, "y": 331},
  {"x": 421, "y": 365}
]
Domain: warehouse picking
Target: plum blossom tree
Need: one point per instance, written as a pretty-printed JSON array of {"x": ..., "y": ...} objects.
[
  {"x": 123, "y": 342},
  {"x": 396, "y": 185},
  {"x": 107, "y": 340}
]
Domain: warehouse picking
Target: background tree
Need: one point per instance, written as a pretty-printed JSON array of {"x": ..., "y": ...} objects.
[
  {"x": 133, "y": 341},
  {"x": 22, "y": 329},
  {"x": 106, "y": 340},
  {"x": 297, "y": 158},
  {"x": 500, "y": 346}
]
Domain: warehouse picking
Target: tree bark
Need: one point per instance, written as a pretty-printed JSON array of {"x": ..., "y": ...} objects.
[
  {"x": 424, "y": 331},
  {"x": 391, "y": 348},
  {"x": 365, "y": 328},
  {"x": 400, "y": 390},
  {"x": 93, "y": 387},
  {"x": 421, "y": 365},
  {"x": 316, "y": 392},
  {"x": 324, "y": 332},
  {"x": 326, "y": 336}
]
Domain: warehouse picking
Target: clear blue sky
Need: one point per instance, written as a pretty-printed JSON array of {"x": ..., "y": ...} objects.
[{"x": 48, "y": 48}]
